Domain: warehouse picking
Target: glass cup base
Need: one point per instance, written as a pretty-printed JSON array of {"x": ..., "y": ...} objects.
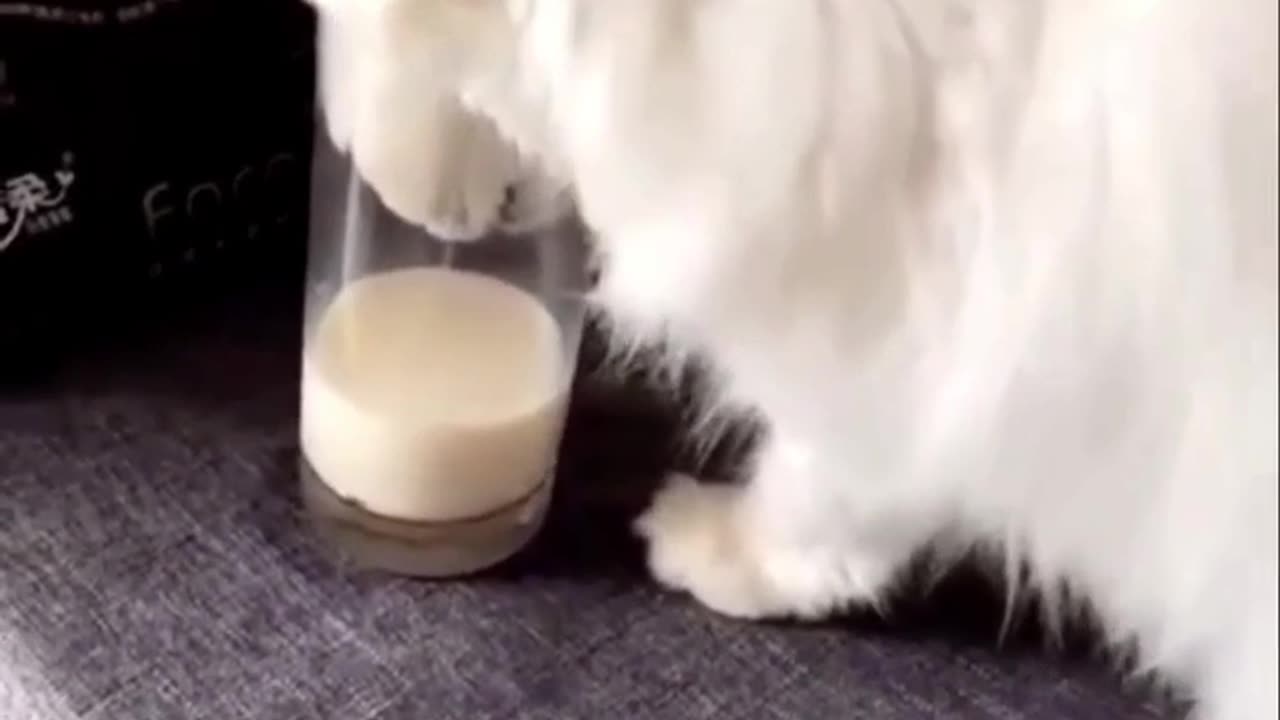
[{"x": 427, "y": 549}]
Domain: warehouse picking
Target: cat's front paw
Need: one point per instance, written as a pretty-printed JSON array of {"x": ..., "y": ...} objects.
[
  {"x": 696, "y": 545},
  {"x": 448, "y": 172}
]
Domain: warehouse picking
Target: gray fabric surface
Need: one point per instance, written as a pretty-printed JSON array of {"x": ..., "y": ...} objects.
[{"x": 153, "y": 565}]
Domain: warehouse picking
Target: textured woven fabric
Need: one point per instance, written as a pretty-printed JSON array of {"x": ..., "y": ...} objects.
[{"x": 154, "y": 566}]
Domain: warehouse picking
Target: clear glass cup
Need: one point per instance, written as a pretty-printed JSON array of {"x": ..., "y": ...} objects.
[{"x": 436, "y": 377}]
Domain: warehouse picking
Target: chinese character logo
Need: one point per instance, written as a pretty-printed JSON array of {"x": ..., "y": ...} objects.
[{"x": 31, "y": 203}]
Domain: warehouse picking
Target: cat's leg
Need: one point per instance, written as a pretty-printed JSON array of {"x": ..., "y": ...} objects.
[{"x": 791, "y": 542}]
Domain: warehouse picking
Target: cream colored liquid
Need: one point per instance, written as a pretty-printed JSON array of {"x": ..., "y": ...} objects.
[{"x": 432, "y": 394}]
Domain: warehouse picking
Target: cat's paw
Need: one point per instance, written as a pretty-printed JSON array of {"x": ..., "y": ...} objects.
[
  {"x": 697, "y": 545},
  {"x": 448, "y": 173},
  {"x": 470, "y": 206},
  {"x": 728, "y": 549}
]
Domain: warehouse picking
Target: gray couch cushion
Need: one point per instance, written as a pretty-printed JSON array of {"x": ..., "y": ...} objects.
[{"x": 153, "y": 565}]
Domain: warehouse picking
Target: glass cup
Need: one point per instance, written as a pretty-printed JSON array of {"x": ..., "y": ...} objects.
[{"x": 435, "y": 379}]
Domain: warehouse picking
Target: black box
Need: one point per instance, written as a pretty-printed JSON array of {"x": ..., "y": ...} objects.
[{"x": 151, "y": 153}]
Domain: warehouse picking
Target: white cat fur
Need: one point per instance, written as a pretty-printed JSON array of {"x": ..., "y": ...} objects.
[{"x": 989, "y": 270}]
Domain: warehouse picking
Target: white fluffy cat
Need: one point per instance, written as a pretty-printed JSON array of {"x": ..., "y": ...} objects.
[{"x": 993, "y": 272}]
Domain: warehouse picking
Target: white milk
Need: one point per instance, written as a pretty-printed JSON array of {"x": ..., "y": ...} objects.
[{"x": 431, "y": 394}]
